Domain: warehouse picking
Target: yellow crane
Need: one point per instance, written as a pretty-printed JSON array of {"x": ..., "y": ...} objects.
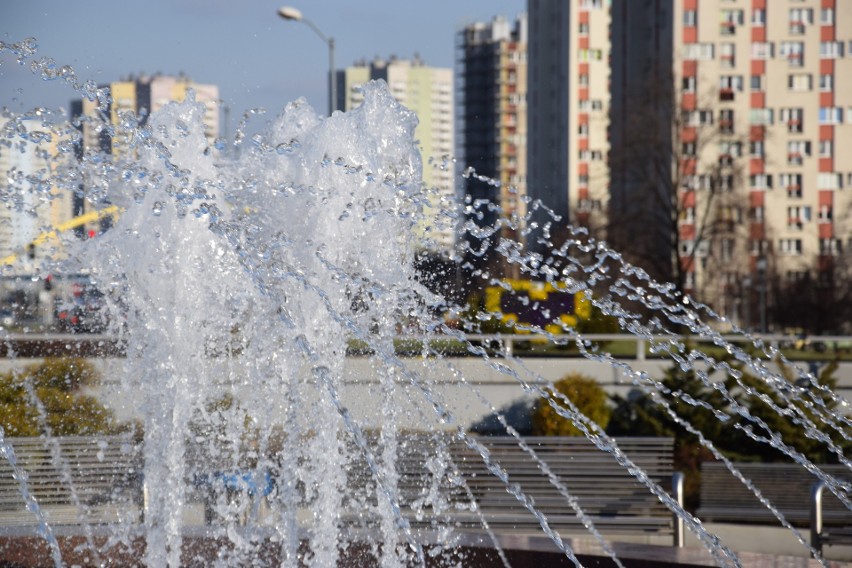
[{"x": 90, "y": 217}]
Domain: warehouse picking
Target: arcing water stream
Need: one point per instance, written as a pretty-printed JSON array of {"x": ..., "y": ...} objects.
[{"x": 226, "y": 270}]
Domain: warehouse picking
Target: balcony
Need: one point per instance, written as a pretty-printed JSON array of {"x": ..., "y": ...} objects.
[
  {"x": 728, "y": 29},
  {"x": 795, "y": 159},
  {"x": 726, "y": 95},
  {"x": 794, "y": 126}
]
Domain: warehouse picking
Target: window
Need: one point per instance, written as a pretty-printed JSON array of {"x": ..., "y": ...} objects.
[
  {"x": 758, "y": 18},
  {"x": 727, "y": 54},
  {"x": 688, "y": 149},
  {"x": 690, "y": 19},
  {"x": 798, "y": 215},
  {"x": 705, "y": 181},
  {"x": 759, "y": 246},
  {"x": 597, "y": 104},
  {"x": 794, "y": 52},
  {"x": 761, "y": 116},
  {"x": 799, "y": 18},
  {"x": 583, "y": 130},
  {"x": 731, "y": 82},
  {"x": 733, "y": 149},
  {"x": 825, "y": 214},
  {"x": 726, "y": 182},
  {"x": 698, "y": 51},
  {"x": 756, "y": 82},
  {"x": 826, "y": 17},
  {"x": 797, "y": 151},
  {"x": 755, "y": 148},
  {"x": 584, "y": 80},
  {"x": 793, "y": 117},
  {"x": 829, "y": 181},
  {"x": 590, "y": 55},
  {"x": 697, "y": 117},
  {"x": 799, "y": 82},
  {"x": 830, "y": 247},
  {"x": 790, "y": 246},
  {"x": 831, "y": 49},
  {"x": 830, "y": 115},
  {"x": 733, "y": 17},
  {"x": 760, "y": 181},
  {"x": 826, "y": 82},
  {"x": 583, "y": 28},
  {"x": 756, "y": 214},
  {"x": 726, "y": 121},
  {"x": 826, "y": 148},
  {"x": 791, "y": 181},
  {"x": 689, "y": 84},
  {"x": 762, "y": 50}
]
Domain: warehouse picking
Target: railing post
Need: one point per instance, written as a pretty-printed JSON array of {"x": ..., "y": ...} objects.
[
  {"x": 677, "y": 491},
  {"x": 816, "y": 516},
  {"x": 509, "y": 346},
  {"x": 640, "y": 349}
]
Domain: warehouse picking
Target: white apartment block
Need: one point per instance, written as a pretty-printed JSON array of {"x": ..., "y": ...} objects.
[
  {"x": 775, "y": 79},
  {"x": 31, "y": 204},
  {"x": 428, "y": 92}
]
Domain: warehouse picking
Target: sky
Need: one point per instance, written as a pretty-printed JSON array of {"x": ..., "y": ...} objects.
[{"x": 256, "y": 58}]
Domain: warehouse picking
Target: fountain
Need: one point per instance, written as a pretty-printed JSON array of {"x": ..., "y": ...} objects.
[{"x": 237, "y": 281}]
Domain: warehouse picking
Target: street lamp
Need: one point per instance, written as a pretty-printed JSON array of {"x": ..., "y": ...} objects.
[{"x": 292, "y": 14}]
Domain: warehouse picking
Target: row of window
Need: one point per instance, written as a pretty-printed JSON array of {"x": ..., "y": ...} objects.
[
  {"x": 792, "y": 182},
  {"x": 792, "y": 116},
  {"x": 792, "y": 51},
  {"x": 788, "y": 247},
  {"x": 797, "y": 150},
  {"x": 798, "y": 18}
]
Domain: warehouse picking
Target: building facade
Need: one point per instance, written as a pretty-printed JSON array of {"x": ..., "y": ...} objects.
[
  {"x": 34, "y": 205},
  {"x": 762, "y": 94},
  {"x": 492, "y": 122},
  {"x": 428, "y": 92},
  {"x": 569, "y": 97},
  {"x": 139, "y": 96}
]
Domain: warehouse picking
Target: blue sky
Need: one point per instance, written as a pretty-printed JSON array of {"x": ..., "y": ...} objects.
[{"x": 257, "y": 59}]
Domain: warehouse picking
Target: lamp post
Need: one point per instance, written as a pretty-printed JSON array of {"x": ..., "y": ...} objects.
[{"x": 292, "y": 14}]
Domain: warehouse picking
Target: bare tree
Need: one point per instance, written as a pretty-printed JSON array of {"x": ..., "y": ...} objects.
[{"x": 677, "y": 199}]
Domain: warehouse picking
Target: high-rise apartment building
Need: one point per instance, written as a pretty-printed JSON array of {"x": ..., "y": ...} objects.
[
  {"x": 428, "y": 92},
  {"x": 140, "y": 96},
  {"x": 568, "y": 107},
  {"x": 492, "y": 118},
  {"x": 762, "y": 95},
  {"x": 28, "y": 166}
]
